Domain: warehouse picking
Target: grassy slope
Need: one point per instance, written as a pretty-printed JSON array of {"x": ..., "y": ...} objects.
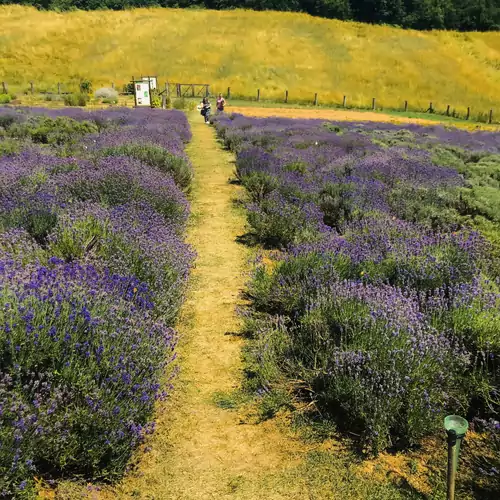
[{"x": 250, "y": 50}]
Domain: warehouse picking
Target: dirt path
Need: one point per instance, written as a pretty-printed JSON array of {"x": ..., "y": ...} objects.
[
  {"x": 327, "y": 114},
  {"x": 200, "y": 450},
  {"x": 353, "y": 116}
]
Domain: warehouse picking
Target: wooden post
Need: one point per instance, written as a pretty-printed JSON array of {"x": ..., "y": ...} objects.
[
  {"x": 468, "y": 114},
  {"x": 178, "y": 90},
  {"x": 258, "y": 94},
  {"x": 490, "y": 119},
  {"x": 192, "y": 90},
  {"x": 406, "y": 106},
  {"x": 31, "y": 88},
  {"x": 149, "y": 91},
  {"x": 164, "y": 101},
  {"x": 207, "y": 91},
  {"x": 448, "y": 110},
  {"x": 112, "y": 85},
  {"x": 430, "y": 108},
  {"x": 5, "y": 88},
  {"x": 59, "y": 89},
  {"x": 343, "y": 103},
  {"x": 229, "y": 92},
  {"x": 373, "y": 103},
  {"x": 316, "y": 99},
  {"x": 286, "y": 96}
]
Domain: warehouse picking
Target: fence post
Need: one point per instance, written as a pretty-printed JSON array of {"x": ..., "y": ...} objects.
[
  {"x": 5, "y": 87},
  {"x": 59, "y": 89},
  {"x": 316, "y": 99},
  {"x": 258, "y": 94},
  {"x": 286, "y": 96},
  {"x": 468, "y": 113},
  {"x": 229, "y": 92},
  {"x": 31, "y": 88},
  {"x": 406, "y": 106},
  {"x": 207, "y": 90},
  {"x": 343, "y": 103},
  {"x": 163, "y": 101},
  {"x": 178, "y": 90},
  {"x": 373, "y": 103},
  {"x": 430, "y": 108},
  {"x": 113, "y": 85},
  {"x": 490, "y": 120},
  {"x": 448, "y": 110}
]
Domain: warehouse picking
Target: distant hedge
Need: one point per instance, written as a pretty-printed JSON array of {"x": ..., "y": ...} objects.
[{"x": 462, "y": 15}]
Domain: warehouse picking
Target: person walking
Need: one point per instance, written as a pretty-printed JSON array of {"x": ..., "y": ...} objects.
[
  {"x": 221, "y": 102},
  {"x": 205, "y": 109}
]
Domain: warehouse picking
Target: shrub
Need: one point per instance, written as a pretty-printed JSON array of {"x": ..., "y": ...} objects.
[
  {"x": 76, "y": 99},
  {"x": 157, "y": 157},
  {"x": 185, "y": 104},
  {"x": 116, "y": 180},
  {"x": 86, "y": 87},
  {"x": 59, "y": 131},
  {"x": 383, "y": 298},
  {"x": 5, "y": 98},
  {"x": 131, "y": 238},
  {"x": 77, "y": 392},
  {"x": 108, "y": 94},
  {"x": 279, "y": 222}
]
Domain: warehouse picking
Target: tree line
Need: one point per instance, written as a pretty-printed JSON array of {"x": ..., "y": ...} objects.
[{"x": 463, "y": 15}]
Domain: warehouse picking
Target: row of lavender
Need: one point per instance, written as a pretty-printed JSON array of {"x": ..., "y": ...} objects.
[
  {"x": 382, "y": 300},
  {"x": 93, "y": 269}
]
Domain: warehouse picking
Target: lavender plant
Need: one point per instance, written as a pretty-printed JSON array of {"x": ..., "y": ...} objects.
[
  {"x": 383, "y": 296},
  {"x": 93, "y": 270}
]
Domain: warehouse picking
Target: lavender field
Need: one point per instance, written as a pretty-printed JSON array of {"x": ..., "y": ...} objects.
[
  {"x": 93, "y": 270},
  {"x": 381, "y": 301}
]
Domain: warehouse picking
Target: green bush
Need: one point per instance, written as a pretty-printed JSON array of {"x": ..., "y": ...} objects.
[
  {"x": 86, "y": 87},
  {"x": 54, "y": 131},
  {"x": 76, "y": 99}
]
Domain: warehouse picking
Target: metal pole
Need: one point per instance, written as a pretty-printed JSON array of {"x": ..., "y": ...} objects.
[
  {"x": 456, "y": 428},
  {"x": 452, "y": 464}
]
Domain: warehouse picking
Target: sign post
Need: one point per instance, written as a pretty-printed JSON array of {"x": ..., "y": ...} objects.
[{"x": 142, "y": 93}]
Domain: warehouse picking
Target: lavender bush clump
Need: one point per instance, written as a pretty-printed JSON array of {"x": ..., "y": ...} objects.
[
  {"x": 383, "y": 295},
  {"x": 93, "y": 269}
]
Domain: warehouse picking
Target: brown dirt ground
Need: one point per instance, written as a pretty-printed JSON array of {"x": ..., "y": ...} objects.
[{"x": 351, "y": 115}]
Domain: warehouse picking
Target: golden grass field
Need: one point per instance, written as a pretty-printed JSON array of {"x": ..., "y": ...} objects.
[{"x": 248, "y": 50}]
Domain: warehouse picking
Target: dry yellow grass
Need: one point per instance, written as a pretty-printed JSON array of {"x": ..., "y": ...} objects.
[{"x": 250, "y": 50}]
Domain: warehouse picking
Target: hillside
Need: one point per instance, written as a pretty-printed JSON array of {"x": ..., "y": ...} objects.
[
  {"x": 248, "y": 50},
  {"x": 462, "y": 15}
]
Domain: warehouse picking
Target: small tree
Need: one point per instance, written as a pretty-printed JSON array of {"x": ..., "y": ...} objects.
[{"x": 86, "y": 87}]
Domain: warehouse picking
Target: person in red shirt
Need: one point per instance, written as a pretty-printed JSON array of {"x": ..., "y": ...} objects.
[{"x": 221, "y": 102}]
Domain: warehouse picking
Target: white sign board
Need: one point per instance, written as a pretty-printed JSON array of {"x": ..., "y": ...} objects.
[
  {"x": 142, "y": 97},
  {"x": 152, "y": 79}
]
